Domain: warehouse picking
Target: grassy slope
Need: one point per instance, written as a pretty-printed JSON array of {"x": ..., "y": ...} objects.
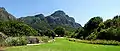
[{"x": 65, "y": 45}]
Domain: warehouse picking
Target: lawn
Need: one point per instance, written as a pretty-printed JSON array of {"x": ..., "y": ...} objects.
[{"x": 61, "y": 44}]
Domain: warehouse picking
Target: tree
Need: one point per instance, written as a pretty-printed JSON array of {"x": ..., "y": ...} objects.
[
  {"x": 79, "y": 32},
  {"x": 60, "y": 31},
  {"x": 50, "y": 33},
  {"x": 108, "y": 23},
  {"x": 92, "y": 24},
  {"x": 15, "y": 28}
]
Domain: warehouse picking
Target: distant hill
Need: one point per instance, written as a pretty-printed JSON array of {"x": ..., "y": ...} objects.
[
  {"x": 5, "y": 16},
  {"x": 58, "y": 18}
]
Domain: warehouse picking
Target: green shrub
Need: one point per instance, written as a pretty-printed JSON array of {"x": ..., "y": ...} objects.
[
  {"x": 60, "y": 31},
  {"x": 16, "y": 28},
  {"x": 45, "y": 38},
  {"x": 16, "y": 41},
  {"x": 42, "y": 39},
  {"x": 103, "y": 42}
]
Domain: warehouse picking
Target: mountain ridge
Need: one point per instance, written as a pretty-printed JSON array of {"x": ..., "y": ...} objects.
[
  {"x": 58, "y": 18},
  {"x": 41, "y": 22}
]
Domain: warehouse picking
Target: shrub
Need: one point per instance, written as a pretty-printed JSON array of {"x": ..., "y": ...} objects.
[
  {"x": 45, "y": 38},
  {"x": 16, "y": 41},
  {"x": 103, "y": 42},
  {"x": 60, "y": 31},
  {"x": 15, "y": 28},
  {"x": 42, "y": 39},
  {"x": 2, "y": 38},
  {"x": 50, "y": 33}
]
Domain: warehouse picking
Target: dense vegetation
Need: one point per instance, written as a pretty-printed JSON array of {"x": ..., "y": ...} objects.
[
  {"x": 96, "y": 28},
  {"x": 60, "y": 31},
  {"x": 100, "y": 42},
  {"x": 15, "y": 28}
]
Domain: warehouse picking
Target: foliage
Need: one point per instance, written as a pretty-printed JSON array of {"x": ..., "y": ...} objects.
[
  {"x": 108, "y": 23},
  {"x": 92, "y": 24},
  {"x": 95, "y": 28},
  {"x": 16, "y": 41},
  {"x": 2, "y": 38},
  {"x": 60, "y": 31},
  {"x": 103, "y": 42},
  {"x": 50, "y": 33},
  {"x": 79, "y": 32},
  {"x": 44, "y": 39},
  {"x": 109, "y": 34},
  {"x": 15, "y": 28},
  {"x": 92, "y": 36}
]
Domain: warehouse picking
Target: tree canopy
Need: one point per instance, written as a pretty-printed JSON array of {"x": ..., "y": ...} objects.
[
  {"x": 95, "y": 28},
  {"x": 60, "y": 31},
  {"x": 15, "y": 28}
]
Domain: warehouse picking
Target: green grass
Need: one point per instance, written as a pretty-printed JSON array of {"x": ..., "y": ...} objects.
[{"x": 61, "y": 44}]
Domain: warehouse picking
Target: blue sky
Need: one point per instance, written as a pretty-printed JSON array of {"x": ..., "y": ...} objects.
[{"x": 81, "y": 10}]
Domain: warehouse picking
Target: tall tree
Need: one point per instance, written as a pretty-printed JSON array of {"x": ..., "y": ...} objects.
[{"x": 92, "y": 24}]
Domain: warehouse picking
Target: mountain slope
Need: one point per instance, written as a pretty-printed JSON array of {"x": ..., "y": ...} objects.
[
  {"x": 58, "y": 18},
  {"x": 38, "y": 21}
]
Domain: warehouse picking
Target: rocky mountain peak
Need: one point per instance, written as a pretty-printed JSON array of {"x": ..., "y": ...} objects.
[
  {"x": 58, "y": 13},
  {"x": 2, "y": 8},
  {"x": 39, "y": 15},
  {"x": 5, "y": 16},
  {"x": 58, "y": 18}
]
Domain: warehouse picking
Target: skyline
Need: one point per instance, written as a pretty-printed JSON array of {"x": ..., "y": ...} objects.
[{"x": 80, "y": 10}]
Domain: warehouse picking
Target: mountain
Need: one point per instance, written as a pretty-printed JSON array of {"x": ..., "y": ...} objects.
[
  {"x": 58, "y": 18},
  {"x": 38, "y": 21},
  {"x": 5, "y": 16}
]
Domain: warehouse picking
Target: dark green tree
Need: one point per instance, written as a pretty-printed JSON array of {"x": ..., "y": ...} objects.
[
  {"x": 50, "y": 33},
  {"x": 79, "y": 33},
  {"x": 92, "y": 24},
  {"x": 108, "y": 23},
  {"x": 60, "y": 31}
]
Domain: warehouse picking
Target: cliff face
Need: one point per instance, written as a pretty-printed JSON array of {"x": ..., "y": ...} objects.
[
  {"x": 60, "y": 18},
  {"x": 5, "y": 16}
]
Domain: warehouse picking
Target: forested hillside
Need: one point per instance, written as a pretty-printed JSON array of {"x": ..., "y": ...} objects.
[{"x": 96, "y": 28}]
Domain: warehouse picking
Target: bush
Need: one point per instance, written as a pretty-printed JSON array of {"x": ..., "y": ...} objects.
[
  {"x": 45, "y": 39},
  {"x": 103, "y": 42},
  {"x": 60, "y": 31},
  {"x": 15, "y": 28},
  {"x": 2, "y": 38},
  {"x": 42, "y": 39},
  {"x": 50, "y": 33},
  {"x": 16, "y": 41}
]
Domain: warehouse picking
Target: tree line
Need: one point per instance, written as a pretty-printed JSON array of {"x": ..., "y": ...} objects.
[{"x": 96, "y": 28}]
